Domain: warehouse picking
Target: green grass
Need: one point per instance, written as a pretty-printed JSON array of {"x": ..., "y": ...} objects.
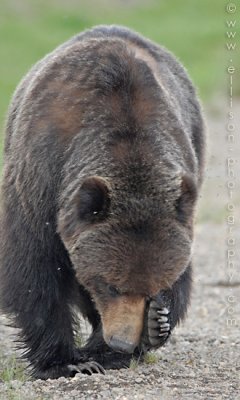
[
  {"x": 12, "y": 369},
  {"x": 134, "y": 364},
  {"x": 150, "y": 358}
]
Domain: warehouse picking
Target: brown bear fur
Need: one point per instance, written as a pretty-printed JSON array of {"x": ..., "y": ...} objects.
[{"x": 103, "y": 162}]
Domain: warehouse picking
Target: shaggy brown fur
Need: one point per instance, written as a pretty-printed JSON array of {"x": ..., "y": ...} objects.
[{"x": 104, "y": 159}]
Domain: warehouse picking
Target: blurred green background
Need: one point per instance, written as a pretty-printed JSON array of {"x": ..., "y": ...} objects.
[{"x": 195, "y": 31}]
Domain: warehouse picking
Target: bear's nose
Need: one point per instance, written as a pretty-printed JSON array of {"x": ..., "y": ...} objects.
[{"x": 120, "y": 345}]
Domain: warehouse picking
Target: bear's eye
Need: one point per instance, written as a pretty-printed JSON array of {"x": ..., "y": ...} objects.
[
  {"x": 113, "y": 291},
  {"x": 93, "y": 199}
]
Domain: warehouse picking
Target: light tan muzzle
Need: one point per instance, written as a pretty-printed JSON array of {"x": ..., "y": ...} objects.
[{"x": 123, "y": 323}]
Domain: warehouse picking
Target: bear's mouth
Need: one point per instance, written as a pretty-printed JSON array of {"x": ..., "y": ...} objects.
[{"x": 122, "y": 322}]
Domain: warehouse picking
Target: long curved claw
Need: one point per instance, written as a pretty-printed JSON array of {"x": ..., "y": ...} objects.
[
  {"x": 158, "y": 328},
  {"x": 89, "y": 368}
]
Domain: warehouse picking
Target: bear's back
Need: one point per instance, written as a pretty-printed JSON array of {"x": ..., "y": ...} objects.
[{"x": 110, "y": 77}]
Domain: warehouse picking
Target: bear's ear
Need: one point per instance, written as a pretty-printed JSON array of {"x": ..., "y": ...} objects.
[
  {"x": 185, "y": 203},
  {"x": 93, "y": 199}
]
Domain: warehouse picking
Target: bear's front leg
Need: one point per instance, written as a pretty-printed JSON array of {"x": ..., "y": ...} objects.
[
  {"x": 38, "y": 287},
  {"x": 51, "y": 349},
  {"x": 164, "y": 311}
]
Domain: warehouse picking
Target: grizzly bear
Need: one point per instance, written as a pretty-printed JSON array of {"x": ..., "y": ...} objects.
[{"x": 103, "y": 163}]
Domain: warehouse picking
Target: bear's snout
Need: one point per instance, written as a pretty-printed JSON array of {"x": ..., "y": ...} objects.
[{"x": 122, "y": 322}]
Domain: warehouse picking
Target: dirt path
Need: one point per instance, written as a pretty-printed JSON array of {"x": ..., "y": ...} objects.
[{"x": 202, "y": 360}]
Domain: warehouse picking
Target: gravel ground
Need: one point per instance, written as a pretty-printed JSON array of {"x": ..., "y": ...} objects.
[{"x": 202, "y": 359}]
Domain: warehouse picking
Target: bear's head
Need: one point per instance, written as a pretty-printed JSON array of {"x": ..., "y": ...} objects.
[{"x": 127, "y": 242}]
